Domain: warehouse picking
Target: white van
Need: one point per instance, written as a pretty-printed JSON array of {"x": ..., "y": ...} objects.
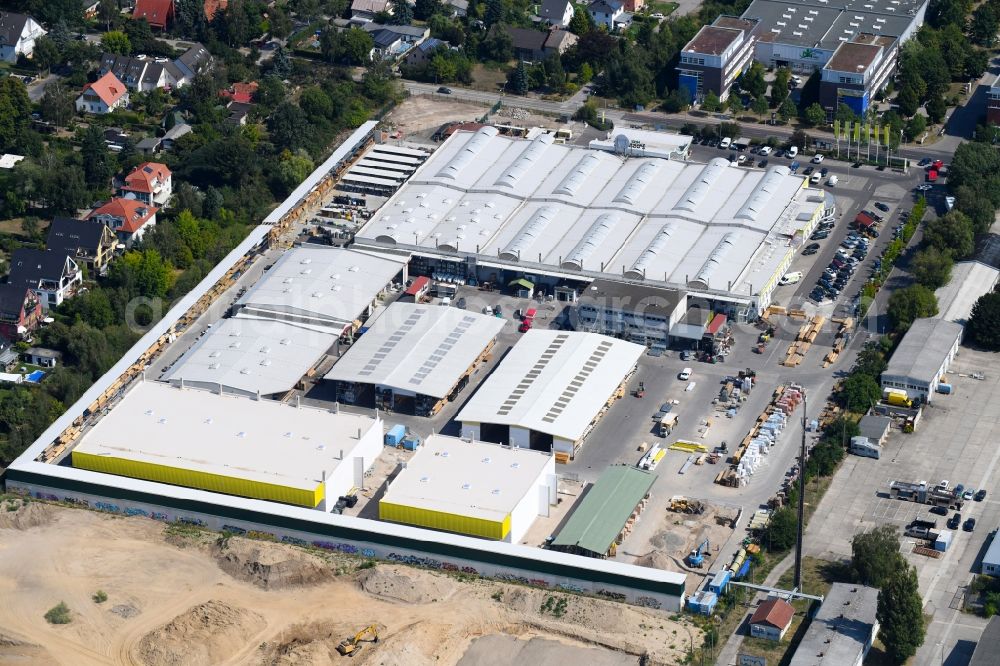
[
  {"x": 790, "y": 278},
  {"x": 815, "y": 178},
  {"x": 726, "y": 142},
  {"x": 832, "y": 181},
  {"x": 685, "y": 374},
  {"x": 792, "y": 152}
]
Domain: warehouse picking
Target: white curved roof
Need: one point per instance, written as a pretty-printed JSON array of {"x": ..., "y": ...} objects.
[
  {"x": 525, "y": 161},
  {"x": 763, "y": 193},
  {"x": 638, "y": 182},
  {"x": 595, "y": 236},
  {"x": 717, "y": 258},
  {"x": 572, "y": 183},
  {"x": 653, "y": 250},
  {"x": 529, "y": 233},
  {"x": 469, "y": 152},
  {"x": 696, "y": 194}
]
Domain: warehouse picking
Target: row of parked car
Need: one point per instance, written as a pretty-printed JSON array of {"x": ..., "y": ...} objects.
[{"x": 838, "y": 274}]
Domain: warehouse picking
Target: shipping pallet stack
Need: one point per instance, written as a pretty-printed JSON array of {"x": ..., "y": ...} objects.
[
  {"x": 761, "y": 437},
  {"x": 841, "y": 340}
]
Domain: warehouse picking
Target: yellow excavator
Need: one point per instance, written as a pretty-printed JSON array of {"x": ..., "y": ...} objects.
[{"x": 353, "y": 645}]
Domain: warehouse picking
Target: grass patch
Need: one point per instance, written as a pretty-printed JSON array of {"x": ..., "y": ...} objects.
[
  {"x": 58, "y": 614},
  {"x": 665, "y": 8},
  {"x": 490, "y": 79}
]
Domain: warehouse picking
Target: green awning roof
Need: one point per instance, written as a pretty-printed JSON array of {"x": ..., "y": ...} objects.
[
  {"x": 521, "y": 282},
  {"x": 602, "y": 513}
]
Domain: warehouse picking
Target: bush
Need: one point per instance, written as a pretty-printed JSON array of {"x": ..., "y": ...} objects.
[
  {"x": 59, "y": 614},
  {"x": 100, "y": 597},
  {"x": 913, "y": 302},
  {"x": 782, "y": 531}
]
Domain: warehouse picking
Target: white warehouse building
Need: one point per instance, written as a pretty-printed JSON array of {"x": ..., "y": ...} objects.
[
  {"x": 549, "y": 390},
  {"x": 494, "y": 208},
  {"x": 923, "y": 357},
  {"x": 473, "y": 488}
]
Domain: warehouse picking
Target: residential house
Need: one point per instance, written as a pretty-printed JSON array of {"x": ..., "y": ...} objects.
[
  {"x": 9, "y": 160},
  {"x": 89, "y": 242},
  {"x": 103, "y": 95},
  {"x": 196, "y": 60},
  {"x": 608, "y": 13},
  {"x": 46, "y": 358},
  {"x": 772, "y": 619},
  {"x": 20, "y": 312},
  {"x": 150, "y": 182},
  {"x": 557, "y": 12},
  {"x": 18, "y": 33},
  {"x": 364, "y": 11},
  {"x": 528, "y": 44},
  {"x": 140, "y": 73},
  {"x": 238, "y": 113},
  {"x": 89, "y": 8},
  {"x": 240, "y": 92},
  {"x": 558, "y": 41},
  {"x": 127, "y": 218},
  {"x": 424, "y": 51},
  {"x": 115, "y": 136},
  {"x": 158, "y": 13},
  {"x": 174, "y": 133},
  {"x": 149, "y": 146},
  {"x": 459, "y": 8},
  {"x": 212, "y": 7},
  {"x": 54, "y": 276},
  {"x": 392, "y": 41},
  {"x": 632, "y": 6}
]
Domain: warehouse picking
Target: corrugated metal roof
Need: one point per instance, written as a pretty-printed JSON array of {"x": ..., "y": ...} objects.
[{"x": 602, "y": 513}]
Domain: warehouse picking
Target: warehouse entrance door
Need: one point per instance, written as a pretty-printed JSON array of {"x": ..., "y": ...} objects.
[{"x": 540, "y": 441}]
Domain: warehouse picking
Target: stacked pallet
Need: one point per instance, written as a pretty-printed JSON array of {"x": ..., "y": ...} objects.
[{"x": 840, "y": 341}]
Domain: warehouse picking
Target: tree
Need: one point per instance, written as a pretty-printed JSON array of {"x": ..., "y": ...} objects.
[
  {"x": 107, "y": 12},
  {"x": 97, "y": 161},
  {"x": 936, "y": 108},
  {"x": 518, "y": 79},
  {"x": 402, "y": 13},
  {"x": 46, "y": 53},
  {"x": 908, "y": 101},
  {"x": 787, "y": 109},
  {"x": 760, "y": 106},
  {"x": 815, "y": 115},
  {"x": 875, "y": 556},
  {"x": 932, "y": 267},
  {"x": 859, "y": 392},
  {"x": 916, "y": 126},
  {"x": 983, "y": 327},
  {"x": 582, "y": 22},
  {"x": 753, "y": 81},
  {"x": 117, "y": 42},
  {"x": 711, "y": 102},
  {"x": 58, "y": 103},
  {"x": 293, "y": 168},
  {"x": 735, "y": 105},
  {"x": 142, "y": 273},
  {"x": 845, "y": 114},
  {"x": 984, "y": 25},
  {"x": 424, "y": 9},
  {"x": 779, "y": 88},
  {"x": 497, "y": 47},
  {"x": 951, "y": 233},
  {"x": 281, "y": 63},
  {"x": 900, "y": 614},
  {"x": 782, "y": 531},
  {"x": 494, "y": 13},
  {"x": 909, "y": 303},
  {"x": 289, "y": 128}
]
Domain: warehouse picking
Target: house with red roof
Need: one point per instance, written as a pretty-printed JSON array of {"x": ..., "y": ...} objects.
[
  {"x": 772, "y": 619},
  {"x": 240, "y": 92},
  {"x": 211, "y": 7},
  {"x": 103, "y": 95},
  {"x": 150, "y": 182},
  {"x": 158, "y": 13},
  {"x": 128, "y": 218},
  {"x": 20, "y": 311}
]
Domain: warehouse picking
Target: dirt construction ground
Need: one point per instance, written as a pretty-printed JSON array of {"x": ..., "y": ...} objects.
[
  {"x": 418, "y": 117},
  {"x": 187, "y": 597}
]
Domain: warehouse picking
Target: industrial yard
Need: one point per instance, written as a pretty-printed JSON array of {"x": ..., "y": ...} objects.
[{"x": 207, "y": 602}]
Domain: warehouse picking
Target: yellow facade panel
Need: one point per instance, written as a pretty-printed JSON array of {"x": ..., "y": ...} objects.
[
  {"x": 188, "y": 478},
  {"x": 447, "y": 522}
]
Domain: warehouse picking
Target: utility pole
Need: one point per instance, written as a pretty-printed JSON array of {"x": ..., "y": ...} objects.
[{"x": 797, "y": 584}]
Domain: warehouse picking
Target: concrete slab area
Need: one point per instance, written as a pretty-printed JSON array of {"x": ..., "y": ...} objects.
[
  {"x": 956, "y": 441},
  {"x": 504, "y": 650}
]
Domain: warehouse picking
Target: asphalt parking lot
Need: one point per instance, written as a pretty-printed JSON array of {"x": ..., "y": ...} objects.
[{"x": 956, "y": 440}]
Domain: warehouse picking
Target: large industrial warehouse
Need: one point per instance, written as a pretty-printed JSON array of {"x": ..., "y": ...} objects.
[
  {"x": 491, "y": 208},
  {"x": 283, "y": 326},
  {"x": 258, "y": 449},
  {"x": 550, "y": 390},
  {"x": 474, "y": 488},
  {"x": 415, "y": 356},
  {"x": 178, "y": 454}
]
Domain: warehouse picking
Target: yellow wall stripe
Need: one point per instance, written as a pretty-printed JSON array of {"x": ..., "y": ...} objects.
[{"x": 441, "y": 520}]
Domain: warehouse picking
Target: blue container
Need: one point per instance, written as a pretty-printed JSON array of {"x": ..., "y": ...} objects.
[
  {"x": 944, "y": 388},
  {"x": 395, "y": 435},
  {"x": 720, "y": 581},
  {"x": 411, "y": 443}
]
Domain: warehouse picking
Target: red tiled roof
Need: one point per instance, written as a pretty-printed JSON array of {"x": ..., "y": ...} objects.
[
  {"x": 213, "y": 6},
  {"x": 156, "y": 12},
  {"x": 132, "y": 213},
  {"x": 108, "y": 88},
  {"x": 775, "y": 612},
  {"x": 142, "y": 177},
  {"x": 240, "y": 92}
]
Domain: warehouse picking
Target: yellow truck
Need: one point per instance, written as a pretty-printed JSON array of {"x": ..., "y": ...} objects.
[{"x": 897, "y": 397}]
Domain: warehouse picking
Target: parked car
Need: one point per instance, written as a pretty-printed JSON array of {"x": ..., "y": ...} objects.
[
  {"x": 807, "y": 171},
  {"x": 685, "y": 374},
  {"x": 810, "y": 250},
  {"x": 444, "y": 91},
  {"x": 794, "y": 166},
  {"x": 924, "y": 187},
  {"x": 765, "y": 150},
  {"x": 955, "y": 521},
  {"x": 924, "y": 162},
  {"x": 817, "y": 159},
  {"x": 819, "y": 235},
  {"x": 939, "y": 510},
  {"x": 741, "y": 159},
  {"x": 970, "y": 525},
  {"x": 812, "y": 246},
  {"x": 968, "y": 495},
  {"x": 980, "y": 495},
  {"x": 779, "y": 152},
  {"x": 824, "y": 171},
  {"x": 762, "y": 164},
  {"x": 792, "y": 152},
  {"x": 881, "y": 206}
]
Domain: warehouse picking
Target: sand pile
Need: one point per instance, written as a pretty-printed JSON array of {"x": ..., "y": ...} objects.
[
  {"x": 208, "y": 633},
  {"x": 24, "y": 516},
  {"x": 410, "y": 585},
  {"x": 658, "y": 560},
  {"x": 313, "y": 643},
  {"x": 269, "y": 565}
]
